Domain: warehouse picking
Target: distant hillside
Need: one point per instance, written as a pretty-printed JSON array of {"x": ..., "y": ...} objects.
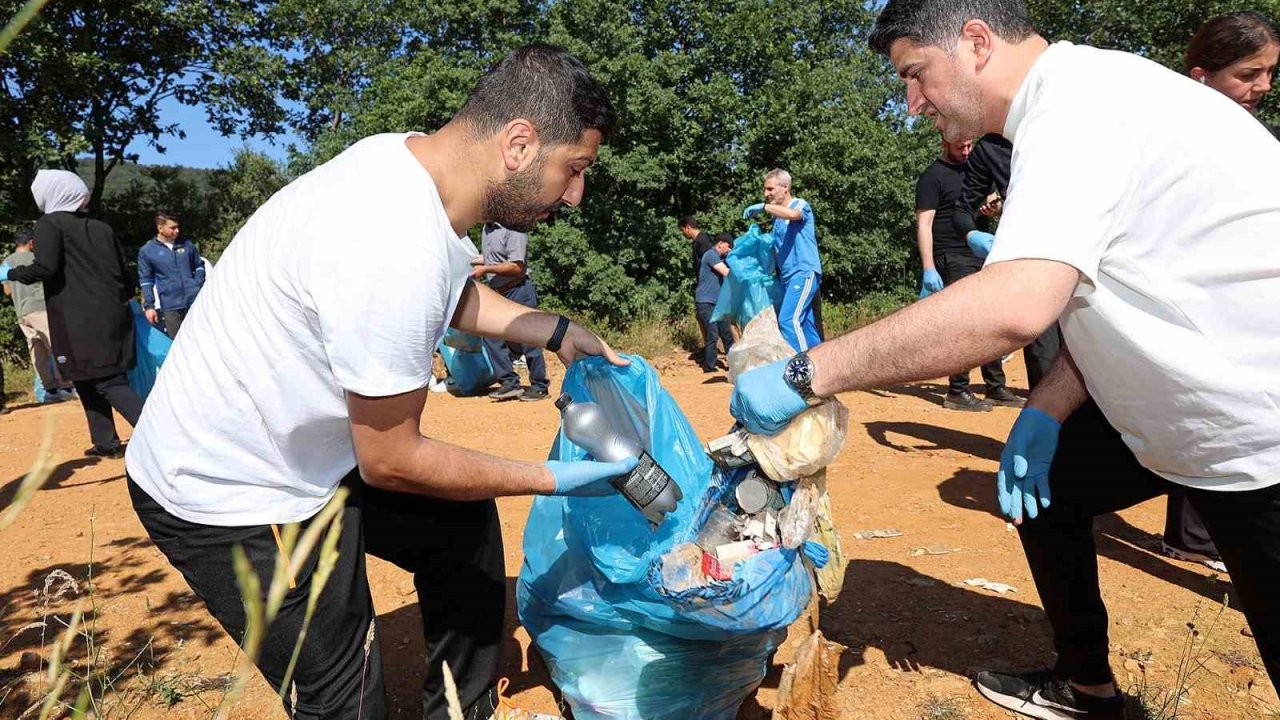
[{"x": 126, "y": 174}]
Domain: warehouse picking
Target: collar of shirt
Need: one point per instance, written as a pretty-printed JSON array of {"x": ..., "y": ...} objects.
[
  {"x": 1029, "y": 89},
  {"x": 165, "y": 243}
]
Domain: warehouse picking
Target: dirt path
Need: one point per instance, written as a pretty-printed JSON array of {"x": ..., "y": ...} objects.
[{"x": 915, "y": 632}]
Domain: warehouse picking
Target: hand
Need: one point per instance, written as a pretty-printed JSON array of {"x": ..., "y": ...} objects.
[
  {"x": 932, "y": 281},
  {"x": 580, "y": 342},
  {"x": 478, "y": 272},
  {"x": 153, "y": 317},
  {"x": 4, "y": 271},
  {"x": 752, "y": 210},
  {"x": 587, "y": 478},
  {"x": 816, "y": 552},
  {"x": 980, "y": 242},
  {"x": 763, "y": 401},
  {"x": 1024, "y": 464}
]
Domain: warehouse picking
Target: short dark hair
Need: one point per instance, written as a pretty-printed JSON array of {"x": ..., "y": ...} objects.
[
  {"x": 1226, "y": 39},
  {"x": 23, "y": 237},
  {"x": 688, "y": 221},
  {"x": 165, "y": 216},
  {"x": 546, "y": 85},
  {"x": 938, "y": 22},
  {"x": 724, "y": 237}
]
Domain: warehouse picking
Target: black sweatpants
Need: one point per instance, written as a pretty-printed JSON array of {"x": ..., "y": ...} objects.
[
  {"x": 1094, "y": 473},
  {"x": 173, "y": 321},
  {"x": 953, "y": 267},
  {"x": 713, "y": 333},
  {"x": 98, "y": 397},
  {"x": 453, "y": 549}
]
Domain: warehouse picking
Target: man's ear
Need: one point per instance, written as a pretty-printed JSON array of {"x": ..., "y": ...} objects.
[
  {"x": 977, "y": 40},
  {"x": 519, "y": 144}
]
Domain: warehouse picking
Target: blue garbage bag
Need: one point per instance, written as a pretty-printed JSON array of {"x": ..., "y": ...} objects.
[
  {"x": 152, "y": 348},
  {"x": 618, "y": 643},
  {"x": 751, "y": 285},
  {"x": 470, "y": 370}
]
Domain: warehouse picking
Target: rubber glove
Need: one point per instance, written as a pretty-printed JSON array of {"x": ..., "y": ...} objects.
[
  {"x": 752, "y": 210},
  {"x": 1024, "y": 464},
  {"x": 816, "y": 552},
  {"x": 4, "y": 271},
  {"x": 980, "y": 242},
  {"x": 763, "y": 402},
  {"x": 930, "y": 283},
  {"x": 587, "y": 478}
]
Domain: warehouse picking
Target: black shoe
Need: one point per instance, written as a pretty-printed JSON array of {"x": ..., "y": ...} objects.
[
  {"x": 965, "y": 401},
  {"x": 1040, "y": 695},
  {"x": 507, "y": 392},
  {"x": 533, "y": 394},
  {"x": 1004, "y": 397},
  {"x": 114, "y": 453}
]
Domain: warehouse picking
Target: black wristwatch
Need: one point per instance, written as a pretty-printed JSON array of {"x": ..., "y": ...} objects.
[
  {"x": 557, "y": 337},
  {"x": 799, "y": 375}
]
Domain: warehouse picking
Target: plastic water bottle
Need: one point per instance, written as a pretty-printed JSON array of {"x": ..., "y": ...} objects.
[{"x": 648, "y": 487}]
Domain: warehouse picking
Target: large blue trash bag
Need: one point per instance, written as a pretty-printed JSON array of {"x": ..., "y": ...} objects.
[
  {"x": 619, "y": 644},
  {"x": 751, "y": 285},
  {"x": 470, "y": 370},
  {"x": 152, "y": 347}
]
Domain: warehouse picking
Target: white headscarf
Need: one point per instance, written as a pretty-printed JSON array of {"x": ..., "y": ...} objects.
[{"x": 59, "y": 191}]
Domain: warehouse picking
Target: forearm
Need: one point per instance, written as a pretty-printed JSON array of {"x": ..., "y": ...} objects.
[
  {"x": 924, "y": 241},
  {"x": 30, "y": 274},
  {"x": 439, "y": 469},
  {"x": 783, "y": 212},
  {"x": 964, "y": 220},
  {"x": 508, "y": 269},
  {"x": 978, "y": 319},
  {"x": 482, "y": 311},
  {"x": 1062, "y": 390}
]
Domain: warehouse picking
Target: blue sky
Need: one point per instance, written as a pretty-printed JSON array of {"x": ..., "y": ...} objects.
[{"x": 204, "y": 147}]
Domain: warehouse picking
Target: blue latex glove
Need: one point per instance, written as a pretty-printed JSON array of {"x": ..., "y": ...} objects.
[
  {"x": 980, "y": 242},
  {"x": 752, "y": 210},
  {"x": 930, "y": 283},
  {"x": 4, "y": 271},
  {"x": 763, "y": 402},
  {"x": 1024, "y": 464},
  {"x": 816, "y": 552},
  {"x": 587, "y": 478}
]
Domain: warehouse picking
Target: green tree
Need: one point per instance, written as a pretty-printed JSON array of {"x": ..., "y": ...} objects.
[{"x": 236, "y": 192}]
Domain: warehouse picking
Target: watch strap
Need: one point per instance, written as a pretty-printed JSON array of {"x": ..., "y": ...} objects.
[{"x": 557, "y": 337}]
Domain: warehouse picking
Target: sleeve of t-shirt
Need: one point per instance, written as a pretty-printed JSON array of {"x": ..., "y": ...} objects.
[
  {"x": 806, "y": 212},
  {"x": 517, "y": 246},
  {"x": 1060, "y": 208},
  {"x": 927, "y": 192},
  {"x": 377, "y": 317}
]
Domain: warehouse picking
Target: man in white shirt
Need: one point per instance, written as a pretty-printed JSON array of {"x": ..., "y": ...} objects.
[
  {"x": 302, "y": 370},
  {"x": 1165, "y": 273}
]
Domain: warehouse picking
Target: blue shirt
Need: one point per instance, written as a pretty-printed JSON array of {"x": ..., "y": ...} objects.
[
  {"x": 796, "y": 242},
  {"x": 708, "y": 290}
]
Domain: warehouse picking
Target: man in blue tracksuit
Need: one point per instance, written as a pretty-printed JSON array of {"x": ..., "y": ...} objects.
[
  {"x": 171, "y": 274},
  {"x": 795, "y": 242}
]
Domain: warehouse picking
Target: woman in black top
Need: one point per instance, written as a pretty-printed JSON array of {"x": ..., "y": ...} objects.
[{"x": 87, "y": 292}]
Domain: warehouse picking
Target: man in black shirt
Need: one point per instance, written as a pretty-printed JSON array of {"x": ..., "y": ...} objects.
[
  {"x": 947, "y": 258},
  {"x": 702, "y": 242},
  {"x": 988, "y": 169}
]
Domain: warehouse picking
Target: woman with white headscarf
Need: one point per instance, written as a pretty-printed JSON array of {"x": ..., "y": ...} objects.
[{"x": 87, "y": 292}]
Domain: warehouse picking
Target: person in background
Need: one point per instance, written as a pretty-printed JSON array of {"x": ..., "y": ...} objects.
[
  {"x": 171, "y": 273},
  {"x": 505, "y": 262},
  {"x": 33, "y": 320},
  {"x": 1236, "y": 55},
  {"x": 988, "y": 169},
  {"x": 946, "y": 260},
  {"x": 87, "y": 294},
  {"x": 795, "y": 241},
  {"x": 711, "y": 274},
  {"x": 702, "y": 242}
]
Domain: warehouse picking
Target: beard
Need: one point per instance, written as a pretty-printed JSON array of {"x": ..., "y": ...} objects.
[
  {"x": 966, "y": 119},
  {"x": 513, "y": 203}
]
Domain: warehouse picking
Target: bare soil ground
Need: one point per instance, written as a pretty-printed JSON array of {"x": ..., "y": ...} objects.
[{"x": 915, "y": 632}]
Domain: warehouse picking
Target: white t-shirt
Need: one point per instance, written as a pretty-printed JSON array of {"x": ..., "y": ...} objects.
[
  {"x": 344, "y": 281},
  {"x": 1162, "y": 193}
]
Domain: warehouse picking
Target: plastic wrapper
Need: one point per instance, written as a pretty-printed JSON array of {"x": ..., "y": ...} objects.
[
  {"x": 468, "y": 363},
  {"x": 795, "y": 522},
  {"x": 152, "y": 347},
  {"x": 618, "y": 641}
]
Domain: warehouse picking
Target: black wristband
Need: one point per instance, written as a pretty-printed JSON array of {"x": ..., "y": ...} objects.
[{"x": 557, "y": 337}]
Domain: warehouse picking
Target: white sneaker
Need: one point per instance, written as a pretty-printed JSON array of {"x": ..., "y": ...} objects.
[{"x": 1212, "y": 563}]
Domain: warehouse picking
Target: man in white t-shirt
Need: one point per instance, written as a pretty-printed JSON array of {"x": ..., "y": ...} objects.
[
  {"x": 302, "y": 369},
  {"x": 1165, "y": 270}
]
